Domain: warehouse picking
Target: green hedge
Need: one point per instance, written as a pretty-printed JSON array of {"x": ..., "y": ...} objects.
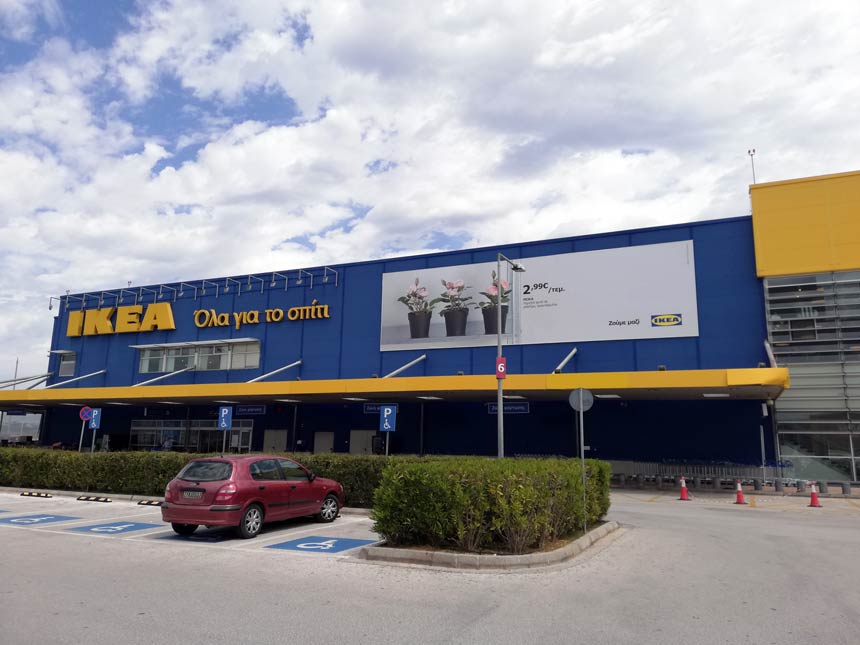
[
  {"x": 132, "y": 473},
  {"x": 147, "y": 473},
  {"x": 480, "y": 504}
]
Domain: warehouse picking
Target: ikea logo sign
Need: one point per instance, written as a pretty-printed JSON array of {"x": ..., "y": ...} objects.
[
  {"x": 666, "y": 320},
  {"x": 121, "y": 320}
]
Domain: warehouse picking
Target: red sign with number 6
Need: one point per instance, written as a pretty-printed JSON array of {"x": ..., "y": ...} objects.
[{"x": 501, "y": 367}]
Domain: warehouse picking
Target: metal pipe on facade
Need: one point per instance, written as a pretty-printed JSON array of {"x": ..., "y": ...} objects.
[
  {"x": 79, "y": 378},
  {"x": 406, "y": 367},
  {"x": 770, "y": 354},
  {"x": 277, "y": 371},
  {"x": 567, "y": 358},
  {"x": 23, "y": 379},
  {"x": 164, "y": 376}
]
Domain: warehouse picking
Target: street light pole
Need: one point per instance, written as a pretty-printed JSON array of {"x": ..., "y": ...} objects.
[{"x": 500, "y": 408}]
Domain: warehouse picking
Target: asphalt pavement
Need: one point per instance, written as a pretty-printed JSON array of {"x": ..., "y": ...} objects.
[{"x": 705, "y": 571}]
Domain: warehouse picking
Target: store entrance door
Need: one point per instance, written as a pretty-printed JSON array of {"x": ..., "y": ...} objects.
[
  {"x": 361, "y": 442},
  {"x": 323, "y": 442}
]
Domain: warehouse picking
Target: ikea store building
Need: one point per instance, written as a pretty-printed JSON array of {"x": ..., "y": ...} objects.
[{"x": 687, "y": 335}]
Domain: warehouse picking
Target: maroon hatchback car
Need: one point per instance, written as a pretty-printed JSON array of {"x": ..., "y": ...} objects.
[{"x": 244, "y": 492}]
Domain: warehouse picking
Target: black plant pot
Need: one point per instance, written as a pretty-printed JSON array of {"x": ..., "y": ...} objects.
[
  {"x": 455, "y": 322},
  {"x": 491, "y": 319},
  {"x": 419, "y": 324}
]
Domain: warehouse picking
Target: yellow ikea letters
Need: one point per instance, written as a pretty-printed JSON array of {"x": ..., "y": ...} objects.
[{"x": 94, "y": 322}]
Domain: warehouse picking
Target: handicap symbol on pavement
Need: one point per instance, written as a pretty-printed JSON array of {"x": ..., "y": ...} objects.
[
  {"x": 318, "y": 544},
  {"x": 29, "y": 520},
  {"x": 114, "y": 528}
]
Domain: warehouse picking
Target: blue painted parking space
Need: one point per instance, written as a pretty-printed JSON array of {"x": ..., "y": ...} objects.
[
  {"x": 30, "y": 520},
  {"x": 114, "y": 528},
  {"x": 318, "y": 544}
]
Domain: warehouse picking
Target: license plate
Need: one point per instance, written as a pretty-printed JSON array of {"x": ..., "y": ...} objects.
[{"x": 192, "y": 494}]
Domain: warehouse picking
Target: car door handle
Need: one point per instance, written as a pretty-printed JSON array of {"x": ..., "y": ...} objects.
[
  {"x": 262, "y": 488},
  {"x": 293, "y": 487}
]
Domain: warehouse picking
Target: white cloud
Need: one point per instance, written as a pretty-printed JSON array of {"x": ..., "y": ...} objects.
[
  {"x": 484, "y": 122},
  {"x": 20, "y": 18}
]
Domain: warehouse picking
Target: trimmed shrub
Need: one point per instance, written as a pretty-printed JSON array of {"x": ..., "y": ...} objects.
[
  {"x": 482, "y": 504},
  {"x": 147, "y": 473},
  {"x": 131, "y": 473}
]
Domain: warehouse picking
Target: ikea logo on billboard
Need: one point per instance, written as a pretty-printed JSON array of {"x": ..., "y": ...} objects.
[{"x": 666, "y": 320}]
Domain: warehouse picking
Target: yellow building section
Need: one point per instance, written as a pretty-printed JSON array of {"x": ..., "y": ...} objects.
[
  {"x": 809, "y": 225},
  {"x": 758, "y": 383}
]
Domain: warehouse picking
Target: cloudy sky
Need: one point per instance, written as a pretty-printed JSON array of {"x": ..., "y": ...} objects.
[{"x": 157, "y": 141}]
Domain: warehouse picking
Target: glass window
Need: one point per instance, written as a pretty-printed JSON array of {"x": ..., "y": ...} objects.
[
  {"x": 265, "y": 470},
  {"x": 213, "y": 357},
  {"x": 823, "y": 445},
  {"x": 818, "y": 468},
  {"x": 245, "y": 356},
  {"x": 151, "y": 360},
  {"x": 206, "y": 471},
  {"x": 179, "y": 358},
  {"x": 67, "y": 364},
  {"x": 292, "y": 471}
]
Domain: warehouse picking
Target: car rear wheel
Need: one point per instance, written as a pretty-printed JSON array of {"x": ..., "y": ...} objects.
[
  {"x": 184, "y": 529},
  {"x": 252, "y": 522},
  {"x": 329, "y": 509}
]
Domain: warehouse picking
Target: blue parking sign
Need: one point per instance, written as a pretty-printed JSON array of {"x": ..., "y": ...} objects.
[
  {"x": 387, "y": 418},
  {"x": 96, "y": 419},
  {"x": 225, "y": 418}
]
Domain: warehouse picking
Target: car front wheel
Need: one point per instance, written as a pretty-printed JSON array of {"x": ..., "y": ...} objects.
[
  {"x": 252, "y": 522},
  {"x": 329, "y": 509},
  {"x": 184, "y": 529}
]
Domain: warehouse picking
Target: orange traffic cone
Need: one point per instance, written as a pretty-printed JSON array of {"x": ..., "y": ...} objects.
[
  {"x": 813, "y": 496},
  {"x": 740, "y": 494},
  {"x": 685, "y": 497}
]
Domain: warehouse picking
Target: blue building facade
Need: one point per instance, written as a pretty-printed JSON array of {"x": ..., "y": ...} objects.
[{"x": 694, "y": 397}]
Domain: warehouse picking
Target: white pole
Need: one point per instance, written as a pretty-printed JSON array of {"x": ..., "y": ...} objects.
[
  {"x": 93, "y": 449},
  {"x": 81, "y": 442},
  {"x": 386, "y": 443},
  {"x": 582, "y": 460},
  {"x": 500, "y": 409}
]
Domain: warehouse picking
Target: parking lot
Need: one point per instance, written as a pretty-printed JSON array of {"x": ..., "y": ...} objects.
[
  {"x": 704, "y": 571},
  {"x": 70, "y": 519}
]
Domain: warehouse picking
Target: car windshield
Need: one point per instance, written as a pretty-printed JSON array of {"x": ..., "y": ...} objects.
[{"x": 206, "y": 471}]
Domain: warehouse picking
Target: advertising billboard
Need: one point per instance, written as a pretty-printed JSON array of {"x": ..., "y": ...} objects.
[{"x": 626, "y": 293}]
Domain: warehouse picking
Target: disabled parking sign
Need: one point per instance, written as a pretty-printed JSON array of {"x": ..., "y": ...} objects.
[
  {"x": 387, "y": 418},
  {"x": 318, "y": 544}
]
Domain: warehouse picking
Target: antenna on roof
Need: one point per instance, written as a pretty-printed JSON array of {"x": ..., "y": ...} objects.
[{"x": 751, "y": 153}]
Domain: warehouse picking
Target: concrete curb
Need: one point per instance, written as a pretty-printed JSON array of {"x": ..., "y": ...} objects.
[
  {"x": 71, "y": 493},
  {"x": 474, "y": 561}
]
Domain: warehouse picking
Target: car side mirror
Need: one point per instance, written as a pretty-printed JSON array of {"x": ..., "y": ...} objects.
[{"x": 311, "y": 476}]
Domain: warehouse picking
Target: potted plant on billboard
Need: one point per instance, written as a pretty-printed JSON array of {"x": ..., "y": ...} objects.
[
  {"x": 420, "y": 310},
  {"x": 456, "y": 309},
  {"x": 497, "y": 295}
]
